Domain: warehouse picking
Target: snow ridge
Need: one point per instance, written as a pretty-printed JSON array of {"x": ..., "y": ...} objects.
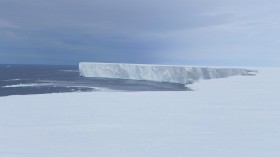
[{"x": 159, "y": 73}]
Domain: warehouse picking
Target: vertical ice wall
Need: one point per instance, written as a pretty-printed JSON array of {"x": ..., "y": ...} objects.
[{"x": 159, "y": 73}]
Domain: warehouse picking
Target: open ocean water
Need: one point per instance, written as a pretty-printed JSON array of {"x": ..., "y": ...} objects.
[{"x": 40, "y": 79}]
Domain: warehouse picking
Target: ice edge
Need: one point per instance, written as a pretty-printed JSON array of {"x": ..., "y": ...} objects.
[{"x": 158, "y": 73}]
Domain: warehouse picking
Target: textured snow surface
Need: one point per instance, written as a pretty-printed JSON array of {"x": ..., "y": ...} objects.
[
  {"x": 159, "y": 73},
  {"x": 229, "y": 117}
]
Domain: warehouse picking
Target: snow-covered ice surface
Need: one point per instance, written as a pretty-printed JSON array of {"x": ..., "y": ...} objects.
[
  {"x": 229, "y": 117},
  {"x": 159, "y": 73}
]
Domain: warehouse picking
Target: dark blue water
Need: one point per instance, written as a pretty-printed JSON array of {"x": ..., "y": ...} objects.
[{"x": 40, "y": 79}]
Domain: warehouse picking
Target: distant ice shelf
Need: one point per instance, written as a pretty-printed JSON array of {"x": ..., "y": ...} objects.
[{"x": 158, "y": 73}]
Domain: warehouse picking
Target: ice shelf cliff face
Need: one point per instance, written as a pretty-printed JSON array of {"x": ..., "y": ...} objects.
[{"x": 159, "y": 73}]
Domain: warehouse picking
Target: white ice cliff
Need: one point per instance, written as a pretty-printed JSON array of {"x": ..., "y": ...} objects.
[{"x": 159, "y": 73}]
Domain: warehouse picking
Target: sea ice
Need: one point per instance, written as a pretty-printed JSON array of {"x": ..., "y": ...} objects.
[{"x": 228, "y": 117}]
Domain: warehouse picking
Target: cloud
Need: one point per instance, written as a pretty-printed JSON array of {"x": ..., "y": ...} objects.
[
  {"x": 7, "y": 25},
  {"x": 145, "y": 31}
]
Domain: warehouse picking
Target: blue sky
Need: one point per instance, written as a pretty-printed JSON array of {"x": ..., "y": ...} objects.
[{"x": 196, "y": 32}]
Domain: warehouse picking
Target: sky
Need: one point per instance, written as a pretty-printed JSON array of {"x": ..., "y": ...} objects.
[{"x": 189, "y": 32}]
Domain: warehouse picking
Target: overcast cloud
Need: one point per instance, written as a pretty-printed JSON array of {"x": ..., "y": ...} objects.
[{"x": 201, "y": 32}]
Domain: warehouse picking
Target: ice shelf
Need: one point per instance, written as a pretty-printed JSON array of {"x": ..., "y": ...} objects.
[{"x": 158, "y": 73}]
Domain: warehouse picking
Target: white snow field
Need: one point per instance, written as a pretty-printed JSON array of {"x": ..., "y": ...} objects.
[
  {"x": 230, "y": 117},
  {"x": 159, "y": 73}
]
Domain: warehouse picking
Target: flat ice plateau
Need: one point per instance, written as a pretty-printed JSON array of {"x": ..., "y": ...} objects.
[
  {"x": 229, "y": 117},
  {"x": 158, "y": 73}
]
